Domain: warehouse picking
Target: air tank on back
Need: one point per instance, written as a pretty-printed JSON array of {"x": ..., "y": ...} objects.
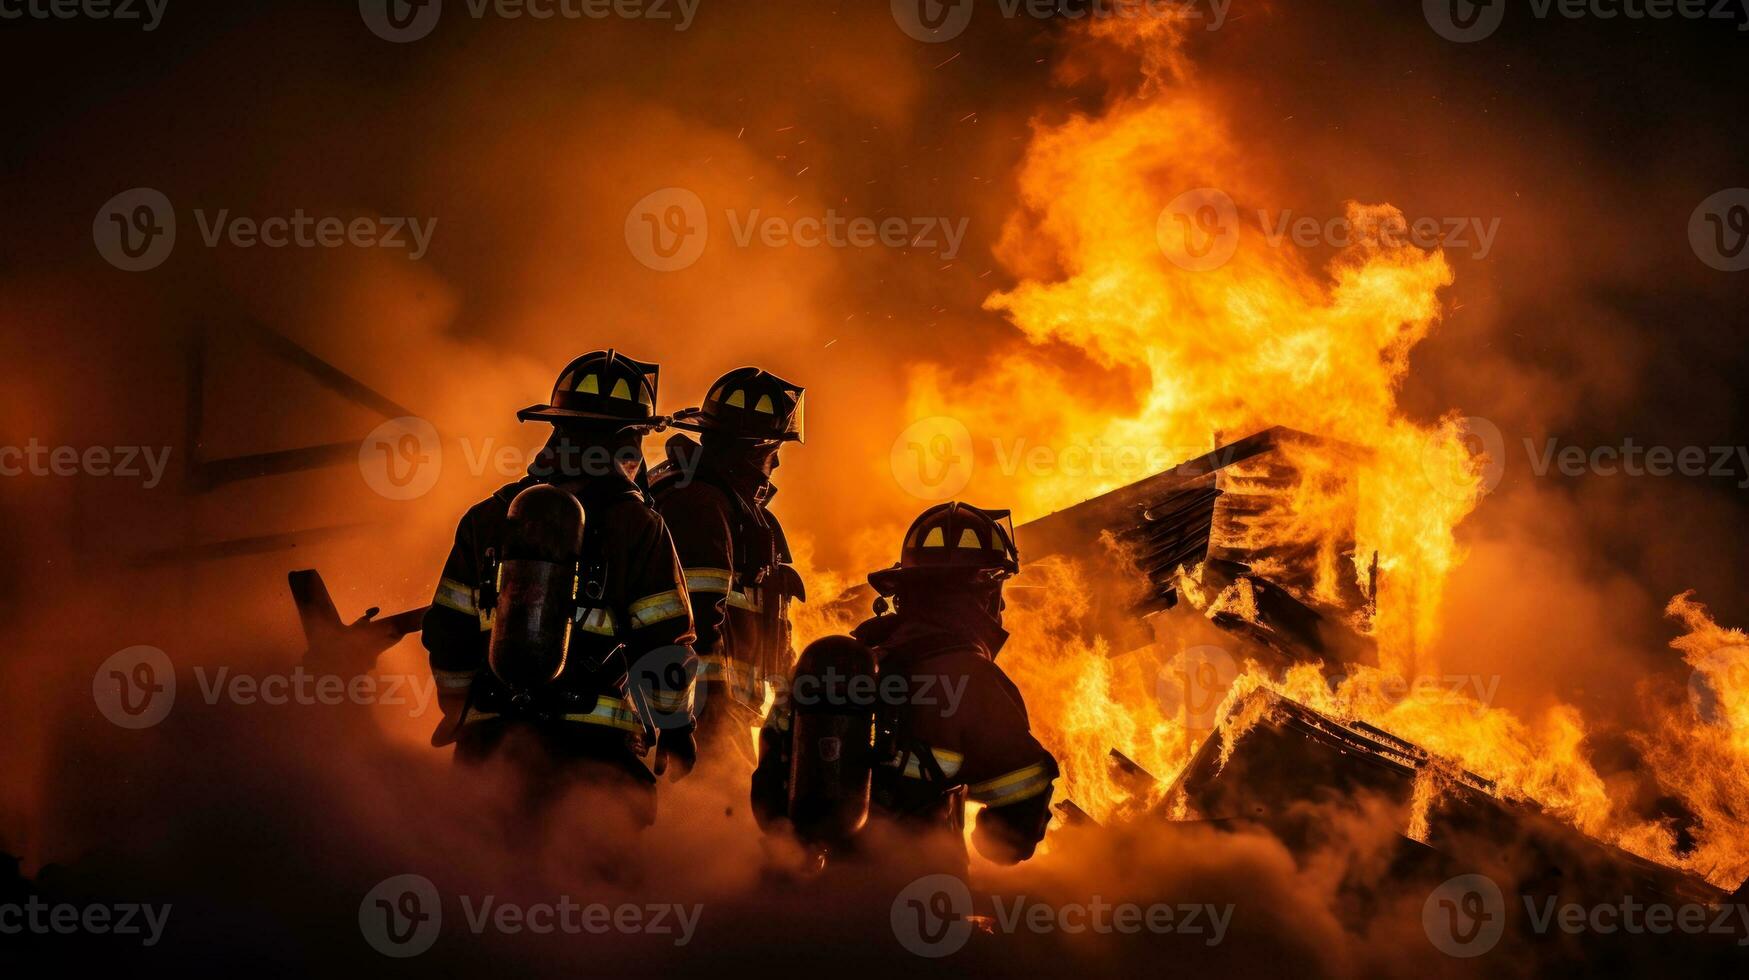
[
  {"x": 537, "y": 587},
  {"x": 832, "y": 700}
]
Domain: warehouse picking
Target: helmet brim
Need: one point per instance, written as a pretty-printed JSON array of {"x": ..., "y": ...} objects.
[
  {"x": 886, "y": 581},
  {"x": 547, "y": 413},
  {"x": 702, "y": 425}
]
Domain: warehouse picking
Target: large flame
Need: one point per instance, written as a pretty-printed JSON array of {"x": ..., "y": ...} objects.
[
  {"x": 1179, "y": 355},
  {"x": 1125, "y": 348}
]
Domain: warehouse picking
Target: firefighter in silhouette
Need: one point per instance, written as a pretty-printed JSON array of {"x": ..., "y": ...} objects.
[
  {"x": 940, "y": 721},
  {"x": 714, "y": 495},
  {"x": 560, "y": 633}
]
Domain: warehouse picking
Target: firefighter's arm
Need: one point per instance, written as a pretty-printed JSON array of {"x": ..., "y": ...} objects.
[
  {"x": 659, "y": 645},
  {"x": 454, "y": 628},
  {"x": 1009, "y": 772},
  {"x": 698, "y": 520},
  {"x": 771, "y": 776}
]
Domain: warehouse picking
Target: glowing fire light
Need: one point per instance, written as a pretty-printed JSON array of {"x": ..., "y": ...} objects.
[{"x": 1264, "y": 338}]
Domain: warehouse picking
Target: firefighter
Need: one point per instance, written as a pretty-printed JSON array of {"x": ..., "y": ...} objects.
[
  {"x": 590, "y": 658},
  {"x": 954, "y": 730},
  {"x": 714, "y": 495}
]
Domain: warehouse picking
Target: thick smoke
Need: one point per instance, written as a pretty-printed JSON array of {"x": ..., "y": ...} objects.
[{"x": 528, "y": 142}]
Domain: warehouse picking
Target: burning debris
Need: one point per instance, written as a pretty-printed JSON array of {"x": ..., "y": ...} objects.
[
  {"x": 1222, "y": 532},
  {"x": 1274, "y": 757},
  {"x": 1215, "y": 536}
]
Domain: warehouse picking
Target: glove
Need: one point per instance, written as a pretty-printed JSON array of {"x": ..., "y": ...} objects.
[{"x": 676, "y": 745}]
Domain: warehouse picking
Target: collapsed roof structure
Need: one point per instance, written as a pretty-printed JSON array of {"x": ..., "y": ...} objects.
[{"x": 1219, "y": 530}]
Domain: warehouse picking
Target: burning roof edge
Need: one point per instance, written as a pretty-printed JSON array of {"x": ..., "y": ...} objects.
[{"x": 1062, "y": 529}]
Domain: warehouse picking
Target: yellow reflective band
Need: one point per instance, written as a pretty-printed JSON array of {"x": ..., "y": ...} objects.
[
  {"x": 454, "y": 595},
  {"x": 598, "y": 621},
  {"x": 671, "y": 702},
  {"x": 656, "y": 608},
  {"x": 948, "y": 760},
  {"x": 453, "y": 680},
  {"x": 611, "y": 712},
  {"x": 732, "y": 673},
  {"x": 708, "y": 579},
  {"x": 608, "y": 712},
  {"x": 1013, "y": 787},
  {"x": 746, "y": 600}
]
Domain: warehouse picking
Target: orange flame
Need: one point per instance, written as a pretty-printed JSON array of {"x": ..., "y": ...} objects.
[{"x": 1134, "y": 337}]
